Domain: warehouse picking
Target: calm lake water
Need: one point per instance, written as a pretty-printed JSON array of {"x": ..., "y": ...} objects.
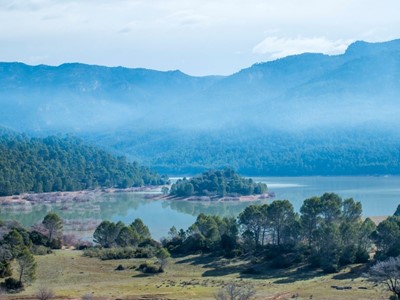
[{"x": 379, "y": 197}]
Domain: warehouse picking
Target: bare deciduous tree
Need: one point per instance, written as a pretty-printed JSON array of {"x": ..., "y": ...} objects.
[
  {"x": 70, "y": 240},
  {"x": 233, "y": 291},
  {"x": 387, "y": 273},
  {"x": 44, "y": 293}
]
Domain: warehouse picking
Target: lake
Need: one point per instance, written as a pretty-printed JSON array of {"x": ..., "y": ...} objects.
[{"x": 379, "y": 197}]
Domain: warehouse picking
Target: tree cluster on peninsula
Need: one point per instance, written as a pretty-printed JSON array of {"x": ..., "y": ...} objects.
[{"x": 217, "y": 183}]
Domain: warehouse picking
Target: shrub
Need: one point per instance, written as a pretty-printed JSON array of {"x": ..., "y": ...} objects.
[
  {"x": 118, "y": 253},
  {"x": 149, "y": 243},
  {"x": 274, "y": 251},
  {"x": 284, "y": 261},
  {"x": 44, "y": 293},
  {"x": 362, "y": 256},
  {"x": 234, "y": 291},
  {"x": 70, "y": 240},
  {"x": 250, "y": 271},
  {"x": 82, "y": 245},
  {"x": 40, "y": 250},
  {"x": 5, "y": 269},
  {"x": 195, "y": 243},
  {"x": 38, "y": 238},
  {"x": 55, "y": 244},
  {"x": 314, "y": 260},
  {"x": 120, "y": 268},
  {"x": 92, "y": 252},
  {"x": 329, "y": 267},
  {"x": 149, "y": 268},
  {"x": 348, "y": 255},
  {"x": 144, "y": 253},
  {"x": 12, "y": 285}
]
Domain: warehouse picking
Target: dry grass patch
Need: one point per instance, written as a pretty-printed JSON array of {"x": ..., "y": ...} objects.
[{"x": 71, "y": 275}]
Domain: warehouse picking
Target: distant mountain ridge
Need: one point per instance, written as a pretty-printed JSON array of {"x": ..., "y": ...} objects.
[
  {"x": 127, "y": 109},
  {"x": 78, "y": 97}
]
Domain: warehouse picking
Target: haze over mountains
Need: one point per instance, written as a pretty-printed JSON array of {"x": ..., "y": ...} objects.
[{"x": 310, "y": 99}]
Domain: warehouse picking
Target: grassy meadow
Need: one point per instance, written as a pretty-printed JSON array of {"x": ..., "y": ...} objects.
[{"x": 71, "y": 275}]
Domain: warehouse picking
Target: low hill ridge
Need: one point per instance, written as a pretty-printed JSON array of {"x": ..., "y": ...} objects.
[{"x": 64, "y": 164}]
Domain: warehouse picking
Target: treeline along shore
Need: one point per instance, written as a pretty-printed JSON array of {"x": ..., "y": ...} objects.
[{"x": 53, "y": 164}]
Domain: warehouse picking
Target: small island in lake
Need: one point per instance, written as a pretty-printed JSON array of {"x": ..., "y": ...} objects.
[{"x": 224, "y": 185}]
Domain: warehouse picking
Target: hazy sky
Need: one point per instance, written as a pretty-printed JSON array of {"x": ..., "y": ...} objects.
[{"x": 199, "y": 37}]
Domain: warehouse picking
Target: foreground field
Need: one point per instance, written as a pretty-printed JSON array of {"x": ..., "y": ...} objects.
[{"x": 71, "y": 275}]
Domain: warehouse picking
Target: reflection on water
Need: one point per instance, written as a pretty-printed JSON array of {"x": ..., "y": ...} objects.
[
  {"x": 223, "y": 209},
  {"x": 379, "y": 196}
]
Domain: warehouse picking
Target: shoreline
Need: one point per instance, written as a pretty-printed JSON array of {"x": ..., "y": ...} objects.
[
  {"x": 76, "y": 196},
  {"x": 152, "y": 192},
  {"x": 87, "y": 195},
  {"x": 248, "y": 198}
]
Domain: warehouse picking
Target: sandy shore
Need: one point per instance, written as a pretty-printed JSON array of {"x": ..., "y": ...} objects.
[{"x": 77, "y": 196}]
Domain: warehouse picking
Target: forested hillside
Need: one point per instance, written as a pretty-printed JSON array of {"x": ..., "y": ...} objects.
[
  {"x": 63, "y": 164},
  {"x": 354, "y": 151}
]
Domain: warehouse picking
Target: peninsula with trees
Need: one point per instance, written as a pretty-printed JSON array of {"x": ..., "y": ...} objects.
[
  {"x": 219, "y": 185},
  {"x": 53, "y": 164}
]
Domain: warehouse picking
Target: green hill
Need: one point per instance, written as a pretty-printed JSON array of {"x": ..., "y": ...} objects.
[{"x": 64, "y": 164}]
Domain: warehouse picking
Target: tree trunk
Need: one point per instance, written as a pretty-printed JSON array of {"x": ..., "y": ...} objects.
[{"x": 20, "y": 274}]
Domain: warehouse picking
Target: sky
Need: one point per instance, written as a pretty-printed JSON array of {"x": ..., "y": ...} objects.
[{"x": 198, "y": 37}]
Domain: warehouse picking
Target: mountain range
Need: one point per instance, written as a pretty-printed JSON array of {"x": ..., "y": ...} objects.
[{"x": 312, "y": 99}]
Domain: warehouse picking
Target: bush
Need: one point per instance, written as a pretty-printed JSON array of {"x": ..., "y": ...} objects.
[
  {"x": 228, "y": 244},
  {"x": 195, "y": 243},
  {"x": 394, "y": 251},
  {"x": 144, "y": 253},
  {"x": 380, "y": 255},
  {"x": 92, "y": 252},
  {"x": 348, "y": 255},
  {"x": 38, "y": 238},
  {"x": 44, "y": 293},
  {"x": 70, "y": 240},
  {"x": 55, "y": 244},
  {"x": 149, "y": 243},
  {"x": 362, "y": 256},
  {"x": 5, "y": 269},
  {"x": 235, "y": 291},
  {"x": 329, "y": 267},
  {"x": 84, "y": 245},
  {"x": 148, "y": 268},
  {"x": 12, "y": 285},
  {"x": 286, "y": 260},
  {"x": 250, "y": 271},
  {"x": 232, "y": 253},
  {"x": 118, "y": 253},
  {"x": 314, "y": 260},
  {"x": 40, "y": 250},
  {"x": 274, "y": 251}
]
